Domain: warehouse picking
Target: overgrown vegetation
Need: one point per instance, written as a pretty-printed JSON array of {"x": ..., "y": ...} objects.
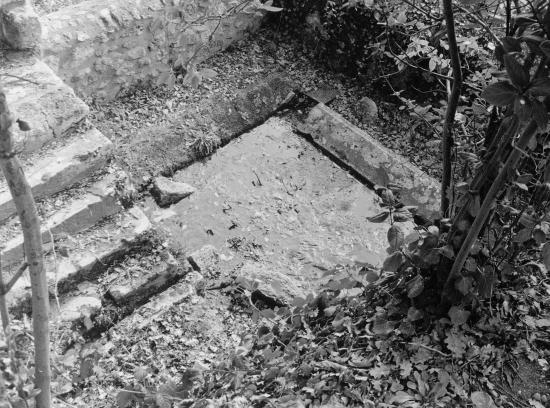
[{"x": 465, "y": 297}]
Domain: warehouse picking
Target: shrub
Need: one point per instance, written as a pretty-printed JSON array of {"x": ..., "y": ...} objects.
[{"x": 348, "y": 35}]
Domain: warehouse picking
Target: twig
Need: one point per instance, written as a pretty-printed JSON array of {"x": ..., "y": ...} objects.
[
  {"x": 429, "y": 348},
  {"x": 421, "y": 10},
  {"x": 14, "y": 278},
  {"x": 55, "y": 291},
  {"x": 20, "y": 78},
  {"x": 3, "y": 305},
  {"x": 482, "y": 23}
]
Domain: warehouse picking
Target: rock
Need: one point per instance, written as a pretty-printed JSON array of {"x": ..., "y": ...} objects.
[
  {"x": 366, "y": 110},
  {"x": 50, "y": 109},
  {"x": 168, "y": 192},
  {"x": 78, "y": 307},
  {"x": 323, "y": 95},
  {"x": 273, "y": 285},
  {"x": 205, "y": 260},
  {"x": 20, "y": 27}
]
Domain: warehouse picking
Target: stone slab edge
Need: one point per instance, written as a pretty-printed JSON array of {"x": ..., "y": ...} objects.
[
  {"x": 167, "y": 152},
  {"x": 48, "y": 105},
  {"x": 100, "y": 202},
  {"x": 369, "y": 158},
  {"x": 61, "y": 168},
  {"x": 84, "y": 264}
]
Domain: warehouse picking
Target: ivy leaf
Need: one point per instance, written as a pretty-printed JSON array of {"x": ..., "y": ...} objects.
[
  {"x": 267, "y": 6},
  {"x": 546, "y": 255},
  {"x": 464, "y": 284},
  {"x": 500, "y": 94},
  {"x": 458, "y": 316},
  {"x": 447, "y": 251},
  {"x": 379, "y": 217},
  {"x": 545, "y": 47},
  {"x": 481, "y": 399},
  {"x": 414, "y": 314},
  {"x": 415, "y": 287},
  {"x": 511, "y": 44},
  {"x": 540, "y": 114},
  {"x": 486, "y": 282},
  {"x": 523, "y": 235},
  {"x": 518, "y": 75},
  {"x": 539, "y": 236},
  {"x": 393, "y": 262},
  {"x": 382, "y": 327},
  {"x": 396, "y": 237},
  {"x": 401, "y": 397},
  {"x": 402, "y": 215},
  {"x": 523, "y": 108},
  {"x": 456, "y": 343},
  {"x": 540, "y": 87}
]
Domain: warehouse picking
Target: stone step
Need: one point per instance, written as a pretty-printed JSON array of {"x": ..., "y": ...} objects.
[
  {"x": 132, "y": 289},
  {"x": 60, "y": 168},
  {"x": 85, "y": 256},
  {"x": 95, "y": 305},
  {"x": 90, "y": 310},
  {"x": 376, "y": 163},
  {"x": 88, "y": 206},
  {"x": 38, "y": 96}
]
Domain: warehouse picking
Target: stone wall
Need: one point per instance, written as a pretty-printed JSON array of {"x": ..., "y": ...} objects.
[{"x": 101, "y": 47}]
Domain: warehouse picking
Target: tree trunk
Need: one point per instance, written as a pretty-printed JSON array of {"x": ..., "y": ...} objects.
[
  {"x": 488, "y": 203},
  {"x": 30, "y": 224}
]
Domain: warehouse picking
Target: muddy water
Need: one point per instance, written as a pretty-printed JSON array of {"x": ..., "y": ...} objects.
[{"x": 271, "y": 199}]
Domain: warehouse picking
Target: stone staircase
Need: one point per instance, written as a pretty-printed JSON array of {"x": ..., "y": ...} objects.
[
  {"x": 89, "y": 226},
  {"x": 79, "y": 190}
]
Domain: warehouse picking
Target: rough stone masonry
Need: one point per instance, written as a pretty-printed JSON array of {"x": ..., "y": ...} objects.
[{"x": 20, "y": 26}]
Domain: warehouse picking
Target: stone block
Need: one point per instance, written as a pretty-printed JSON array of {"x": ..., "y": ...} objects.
[
  {"x": 134, "y": 291},
  {"x": 76, "y": 308},
  {"x": 60, "y": 168},
  {"x": 205, "y": 260},
  {"x": 273, "y": 286},
  {"x": 20, "y": 26},
  {"x": 84, "y": 257},
  {"x": 369, "y": 158},
  {"x": 41, "y": 99},
  {"x": 78, "y": 215},
  {"x": 168, "y": 192}
]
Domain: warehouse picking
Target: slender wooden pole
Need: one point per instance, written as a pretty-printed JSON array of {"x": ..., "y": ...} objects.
[
  {"x": 3, "y": 305},
  {"x": 30, "y": 224},
  {"x": 451, "y": 108}
]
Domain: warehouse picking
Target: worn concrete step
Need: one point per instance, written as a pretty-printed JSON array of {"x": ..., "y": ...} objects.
[
  {"x": 60, "y": 168},
  {"x": 86, "y": 207},
  {"x": 84, "y": 256},
  {"x": 93, "y": 306},
  {"x": 132, "y": 286},
  {"x": 38, "y": 96}
]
